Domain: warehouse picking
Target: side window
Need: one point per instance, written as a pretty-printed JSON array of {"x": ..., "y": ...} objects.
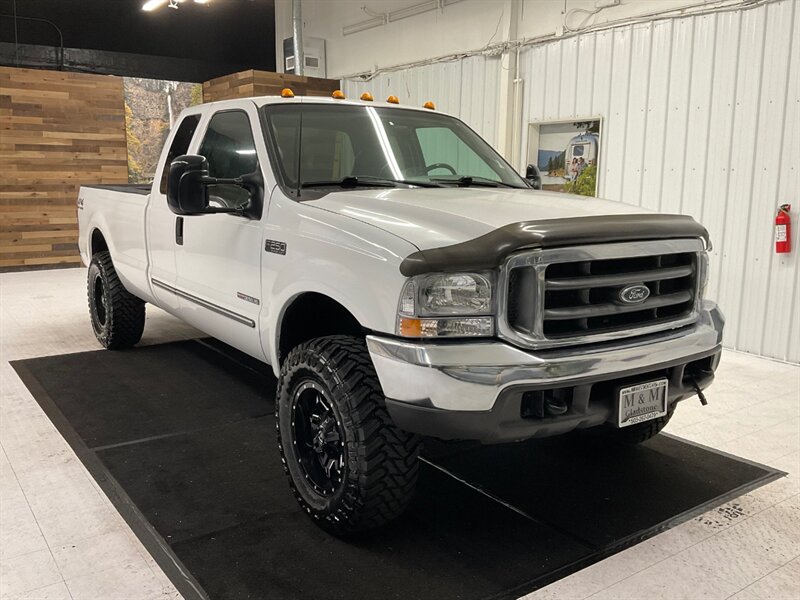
[
  {"x": 180, "y": 145},
  {"x": 440, "y": 145},
  {"x": 231, "y": 152}
]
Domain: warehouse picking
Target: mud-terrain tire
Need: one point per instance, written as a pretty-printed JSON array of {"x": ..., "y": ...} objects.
[
  {"x": 117, "y": 315},
  {"x": 350, "y": 468},
  {"x": 638, "y": 433}
]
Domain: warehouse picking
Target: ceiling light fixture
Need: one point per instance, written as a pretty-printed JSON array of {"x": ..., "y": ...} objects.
[{"x": 152, "y": 5}]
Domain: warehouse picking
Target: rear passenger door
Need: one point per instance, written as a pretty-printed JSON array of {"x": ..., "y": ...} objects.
[{"x": 219, "y": 260}]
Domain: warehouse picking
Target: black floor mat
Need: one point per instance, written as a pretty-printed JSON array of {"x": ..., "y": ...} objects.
[{"x": 182, "y": 438}]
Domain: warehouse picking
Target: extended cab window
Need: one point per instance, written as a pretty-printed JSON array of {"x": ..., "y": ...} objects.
[
  {"x": 180, "y": 145},
  {"x": 231, "y": 152}
]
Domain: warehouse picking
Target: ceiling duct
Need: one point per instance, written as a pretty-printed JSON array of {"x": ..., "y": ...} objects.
[{"x": 297, "y": 38}]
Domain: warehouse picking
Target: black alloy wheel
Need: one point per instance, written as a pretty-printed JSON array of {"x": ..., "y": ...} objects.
[
  {"x": 318, "y": 439},
  {"x": 349, "y": 466},
  {"x": 117, "y": 316},
  {"x": 100, "y": 303}
]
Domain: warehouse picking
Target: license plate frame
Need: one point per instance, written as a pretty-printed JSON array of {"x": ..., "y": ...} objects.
[{"x": 642, "y": 402}]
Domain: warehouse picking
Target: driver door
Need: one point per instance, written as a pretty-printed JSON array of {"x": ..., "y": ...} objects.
[{"x": 218, "y": 262}]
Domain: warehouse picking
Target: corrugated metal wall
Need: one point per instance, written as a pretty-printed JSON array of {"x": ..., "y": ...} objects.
[
  {"x": 701, "y": 115},
  {"x": 466, "y": 88}
]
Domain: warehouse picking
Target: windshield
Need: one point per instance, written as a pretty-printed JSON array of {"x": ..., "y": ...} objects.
[{"x": 317, "y": 145}]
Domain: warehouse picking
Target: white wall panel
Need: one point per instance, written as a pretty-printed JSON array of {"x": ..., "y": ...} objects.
[
  {"x": 701, "y": 116},
  {"x": 781, "y": 328},
  {"x": 467, "y": 88},
  {"x": 691, "y": 75},
  {"x": 656, "y": 114}
]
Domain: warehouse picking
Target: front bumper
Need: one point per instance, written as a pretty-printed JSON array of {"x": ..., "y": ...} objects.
[{"x": 476, "y": 390}]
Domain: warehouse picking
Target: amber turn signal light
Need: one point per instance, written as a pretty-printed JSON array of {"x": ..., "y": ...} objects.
[
  {"x": 287, "y": 93},
  {"x": 429, "y": 105},
  {"x": 393, "y": 100},
  {"x": 338, "y": 95},
  {"x": 366, "y": 97},
  {"x": 410, "y": 327}
]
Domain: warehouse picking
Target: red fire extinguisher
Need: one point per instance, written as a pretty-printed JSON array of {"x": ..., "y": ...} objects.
[{"x": 783, "y": 229}]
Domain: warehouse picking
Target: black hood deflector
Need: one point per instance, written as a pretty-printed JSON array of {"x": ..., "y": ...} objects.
[{"x": 491, "y": 250}]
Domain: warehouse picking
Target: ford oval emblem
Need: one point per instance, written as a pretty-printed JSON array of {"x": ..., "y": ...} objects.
[{"x": 634, "y": 294}]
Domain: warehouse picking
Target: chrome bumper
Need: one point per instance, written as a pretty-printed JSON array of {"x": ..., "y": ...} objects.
[{"x": 469, "y": 376}]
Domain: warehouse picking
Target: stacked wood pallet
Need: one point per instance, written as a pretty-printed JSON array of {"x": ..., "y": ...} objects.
[
  {"x": 57, "y": 131},
  {"x": 264, "y": 83}
]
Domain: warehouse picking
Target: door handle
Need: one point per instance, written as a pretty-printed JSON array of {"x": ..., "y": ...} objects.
[{"x": 179, "y": 231}]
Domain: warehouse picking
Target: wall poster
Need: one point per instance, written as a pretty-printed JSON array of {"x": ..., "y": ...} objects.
[{"x": 567, "y": 154}]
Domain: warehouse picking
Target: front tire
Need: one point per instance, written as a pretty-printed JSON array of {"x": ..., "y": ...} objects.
[
  {"x": 117, "y": 315},
  {"x": 350, "y": 468},
  {"x": 638, "y": 433}
]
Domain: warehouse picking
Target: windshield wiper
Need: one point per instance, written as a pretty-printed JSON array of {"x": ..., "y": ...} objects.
[
  {"x": 473, "y": 180},
  {"x": 353, "y": 181}
]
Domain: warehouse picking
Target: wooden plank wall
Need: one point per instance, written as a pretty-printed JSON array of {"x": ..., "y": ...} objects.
[
  {"x": 57, "y": 131},
  {"x": 265, "y": 83}
]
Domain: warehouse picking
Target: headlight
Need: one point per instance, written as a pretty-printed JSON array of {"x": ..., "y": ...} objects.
[
  {"x": 703, "y": 268},
  {"x": 447, "y": 304}
]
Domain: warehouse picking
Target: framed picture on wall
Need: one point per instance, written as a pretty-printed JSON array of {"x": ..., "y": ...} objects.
[{"x": 567, "y": 154}]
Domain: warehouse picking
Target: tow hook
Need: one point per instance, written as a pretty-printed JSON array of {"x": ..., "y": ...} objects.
[{"x": 700, "y": 394}]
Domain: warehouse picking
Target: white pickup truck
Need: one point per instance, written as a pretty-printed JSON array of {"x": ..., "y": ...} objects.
[{"x": 403, "y": 281}]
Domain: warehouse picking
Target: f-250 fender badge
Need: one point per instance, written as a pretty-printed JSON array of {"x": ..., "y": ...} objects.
[
  {"x": 247, "y": 298},
  {"x": 275, "y": 247}
]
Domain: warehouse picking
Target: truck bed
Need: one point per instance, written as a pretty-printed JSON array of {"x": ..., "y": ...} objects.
[
  {"x": 118, "y": 213},
  {"x": 141, "y": 189}
]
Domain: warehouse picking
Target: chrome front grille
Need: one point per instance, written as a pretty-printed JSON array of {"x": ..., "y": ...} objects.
[{"x": 565, "y": 296}]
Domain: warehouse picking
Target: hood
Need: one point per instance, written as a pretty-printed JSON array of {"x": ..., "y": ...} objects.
[{"x": 436, "y": 217}]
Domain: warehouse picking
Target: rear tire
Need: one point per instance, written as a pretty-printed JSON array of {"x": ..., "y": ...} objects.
[
  {"x": 117, "y": 315},
  {"x": 350, "y": 468}
]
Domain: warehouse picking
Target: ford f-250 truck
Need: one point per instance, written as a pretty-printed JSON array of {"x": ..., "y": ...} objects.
[{"x": 402, "y": 280}]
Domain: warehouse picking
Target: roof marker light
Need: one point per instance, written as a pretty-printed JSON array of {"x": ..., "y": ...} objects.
[
  {"x": 338, "y": 95},
  {"x": 393, "y": 100},
  {"x": 429, "y": 105},
  {"x": 287, "y": 93},
  {"x": 366, "y": 97}
]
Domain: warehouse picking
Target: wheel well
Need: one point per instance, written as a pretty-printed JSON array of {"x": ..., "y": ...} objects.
[
  {"x": 98, "y": 243},
  {"x": 314, "y": 315}
]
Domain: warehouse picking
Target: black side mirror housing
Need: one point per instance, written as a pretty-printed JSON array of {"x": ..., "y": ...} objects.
[
  {"x": 187, "y": 190},
  {"x": 533, "y": 176}
]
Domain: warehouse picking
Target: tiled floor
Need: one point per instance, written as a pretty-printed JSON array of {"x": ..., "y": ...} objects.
[{"x": 61, "y": 538}]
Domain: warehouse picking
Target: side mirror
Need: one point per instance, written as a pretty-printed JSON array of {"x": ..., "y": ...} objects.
[
  {"x": 533, "y": 176},
  {"x": 187, "y": 191}
]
